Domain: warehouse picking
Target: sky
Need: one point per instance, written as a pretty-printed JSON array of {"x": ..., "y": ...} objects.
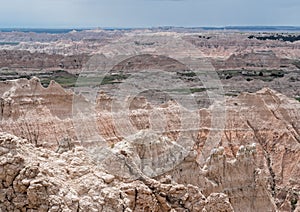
[{"x": 147, "y": 13}]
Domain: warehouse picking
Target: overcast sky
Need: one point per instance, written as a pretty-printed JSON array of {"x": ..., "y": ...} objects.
[{"x": 147, "y": 13}]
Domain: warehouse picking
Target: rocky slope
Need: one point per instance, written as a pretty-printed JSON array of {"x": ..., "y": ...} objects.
[
  {"x": 153, "y": 157},
  {"x": 39, "y": 179}
]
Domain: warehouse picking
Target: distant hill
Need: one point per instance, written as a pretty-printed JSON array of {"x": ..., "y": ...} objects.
[{"x": 163, "y": 28}]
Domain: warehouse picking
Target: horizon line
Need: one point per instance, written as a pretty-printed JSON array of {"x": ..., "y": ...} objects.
[{"x": 152, "y": 27}]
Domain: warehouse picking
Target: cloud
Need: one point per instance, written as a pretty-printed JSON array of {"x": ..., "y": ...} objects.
[{"x": 148, "y": 13}]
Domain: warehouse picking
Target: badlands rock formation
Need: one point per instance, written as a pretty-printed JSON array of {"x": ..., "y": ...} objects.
[
  {"x": 39, "y": 179},
  {"x": 16, "y": 59},
  {"x": 209, "y": 137},
  {"x": 234, "y": 55},
  {"x": 149, "y": 159}
]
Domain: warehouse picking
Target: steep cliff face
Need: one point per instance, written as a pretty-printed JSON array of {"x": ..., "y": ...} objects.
[
  {"x": 252, "y": 166},
  {"x": 39, "y": 179},
  {"x": 36, "y": 113},
  {"x": 20, "y": 96}
]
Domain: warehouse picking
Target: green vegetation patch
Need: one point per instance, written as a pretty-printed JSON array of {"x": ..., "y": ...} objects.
[
  {"x": 263, "y": 74},
  {"x": 280, "y": 37},
  {"x": 187, "y": 74},
  {"x": 231, "y": 94},
  {"x": 294, "y": 203},
  {"x": 297, "y": 64},
  {"x": 64, "y": 78},
  {"x": 197, "y": 90},
  {"x": 9, "y": 73},
  {"x": 96, "y": 80},
  {"x": 187, "y": 90},
  {"x": 9, "y": 43},
  {"x": 114, "y": 78}
]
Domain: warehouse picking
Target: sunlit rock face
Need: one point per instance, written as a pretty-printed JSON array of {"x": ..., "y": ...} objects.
[
  {"x": 146, "y": 159},
  {"x": 40, "y": 179}
]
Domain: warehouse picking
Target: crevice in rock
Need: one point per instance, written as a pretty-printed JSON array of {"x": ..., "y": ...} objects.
[
  {"x": 135, "y": 198},
  {"x": 297, "y": 137},
  {"x": 229, "y": 139},
  {"x": 287, "y": 124},
  {"x": 267, "y": 157}
]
